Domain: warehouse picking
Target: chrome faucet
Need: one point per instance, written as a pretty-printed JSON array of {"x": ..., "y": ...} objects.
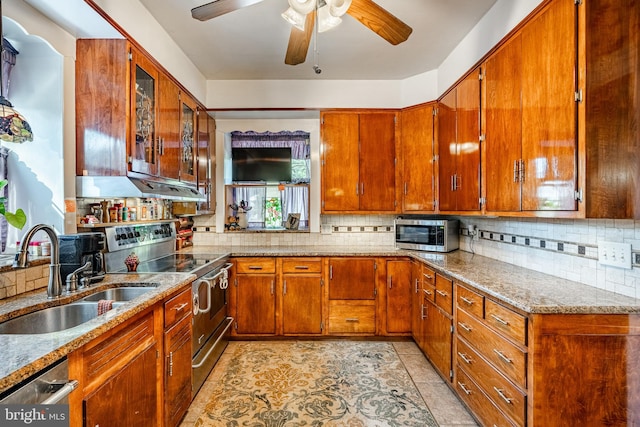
[
  {"x": 72, "y": 278},
  {"x": 54, "y": 288}
]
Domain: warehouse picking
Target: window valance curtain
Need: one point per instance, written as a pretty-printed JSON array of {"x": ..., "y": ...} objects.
[{"x": 297, "y": 140}]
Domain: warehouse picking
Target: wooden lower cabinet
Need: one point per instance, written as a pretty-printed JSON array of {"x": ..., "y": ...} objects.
[
  {"x": 398, "y": 297},
  {"x": 178, "y": 317},
  {"x": 437, "y": 336},
  {"x": 256, "y": 304},
  {"x": 128, "y": 398},
  {"x": 302, "y": 296}
]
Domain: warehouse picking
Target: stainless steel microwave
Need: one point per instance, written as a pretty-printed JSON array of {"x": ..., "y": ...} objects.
[{"x": 433, "y": 235}]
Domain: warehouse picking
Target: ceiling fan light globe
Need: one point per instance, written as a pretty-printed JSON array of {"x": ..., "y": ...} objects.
[
  {"x": 294, "y": 18},
  {"x": 303, "y": 7},
  {"x": 337, "y": 8},
  {"x": 326, "y": 21}
]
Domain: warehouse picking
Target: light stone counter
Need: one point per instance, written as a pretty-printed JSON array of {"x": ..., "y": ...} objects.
[
  {"x": 25, "y": 355},
  {"x": 527, "y": 290}
]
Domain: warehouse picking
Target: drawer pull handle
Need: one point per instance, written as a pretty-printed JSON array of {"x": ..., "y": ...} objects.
[
  {"x": 467, "y": 392},
  {"x": 502, "y": 356},
  {"x": 499, "y": 320},
  {"x": 501, "y": 394},
  {"x": 181, "y": 306},
  {"x": 428, "y": 276},
  {"x": 301, "y": 267},
  {"x": 428, "y": 292},
  {"x": 352, "y": 319},
  {"x": 465, "y": 327},
  {"x": 465, "y": 358},
  {"x": 442, "y": 293},
  {"x": 255, "y": 267},
  {"x": 467, "y": 300}
]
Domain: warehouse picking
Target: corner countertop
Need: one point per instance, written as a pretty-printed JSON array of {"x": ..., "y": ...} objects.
[
  {"x": 527, "y": 290},
  {"x": 25, "y": 355}
]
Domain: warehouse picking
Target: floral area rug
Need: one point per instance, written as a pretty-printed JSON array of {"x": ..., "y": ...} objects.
[{"x": 312, "y": 383}]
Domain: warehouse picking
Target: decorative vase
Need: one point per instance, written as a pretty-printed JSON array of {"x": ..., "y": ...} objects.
[{"x": 242, "y": 219}]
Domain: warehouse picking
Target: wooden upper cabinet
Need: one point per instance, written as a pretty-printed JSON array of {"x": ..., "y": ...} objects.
[
  {"x": 549, "y": 110},
  {"x": 169, "y": 127},
  {"x": 459, "y": 146},
  {"x": 188, "y": 143},
  {"x": 503, "y": 128},
  {"x": 204, "y": 157},
  {"x": 358, "y": 162},
  {"x": 144, "y": 113},
  {"x": 418, "y": 159},
  {"x": 612, "y": 109},
  {"x": 102, "y": 106},
  {"x": 340, "y": 162}
]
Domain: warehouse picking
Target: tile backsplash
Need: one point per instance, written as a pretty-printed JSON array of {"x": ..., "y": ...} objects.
[{"x": 561, "y": 247}]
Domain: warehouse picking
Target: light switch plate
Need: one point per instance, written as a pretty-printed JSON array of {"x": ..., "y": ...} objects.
[{"x": 614, "y": 254}]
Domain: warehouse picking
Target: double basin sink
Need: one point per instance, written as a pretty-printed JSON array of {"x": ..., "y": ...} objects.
[{"x": 62, "y": 317}]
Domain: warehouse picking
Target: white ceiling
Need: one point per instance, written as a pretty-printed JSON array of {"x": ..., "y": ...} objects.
[{"x": 250, "y": 43}]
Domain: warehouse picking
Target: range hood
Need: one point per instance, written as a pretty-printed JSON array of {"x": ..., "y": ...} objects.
[{"x": 132, "y": 186}]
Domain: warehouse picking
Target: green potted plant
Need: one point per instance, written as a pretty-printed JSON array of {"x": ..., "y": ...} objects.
[{"x": 17, "y": 219}]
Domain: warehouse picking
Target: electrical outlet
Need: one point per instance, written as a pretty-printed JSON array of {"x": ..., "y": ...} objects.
[
  {"x": 614, "y": 254},
  {"x": 637, "y": 259}
]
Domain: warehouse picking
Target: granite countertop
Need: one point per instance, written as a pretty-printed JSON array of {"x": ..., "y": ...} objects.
[
  {"x": 25, "y": 355},
  {"x": 524, "y": 289}
]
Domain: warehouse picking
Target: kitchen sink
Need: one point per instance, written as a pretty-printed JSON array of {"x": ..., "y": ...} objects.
[
  {"x": 126, "y": 293},
  {"x": 52, "y": 319}
]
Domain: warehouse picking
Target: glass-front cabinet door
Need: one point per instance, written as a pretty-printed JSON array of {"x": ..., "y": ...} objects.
[
  {"x": 188, "y": 139},
  {"x": 144, "y": 94}
]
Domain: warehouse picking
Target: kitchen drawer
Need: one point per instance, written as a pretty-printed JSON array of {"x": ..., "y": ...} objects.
[
  {"x": 472, "y": 302},
  {"x": 500, "y": 390},
  {"x": 482, "y": 406},
  {"x": 506, "y": 321},
  {"x": 428, "y": 276},
  {"x": 503, "y": 354},
  {"x": 429, "y": 292},
  {"x": 444, "y": 293},
  {"x": 301, "y": 265},
  {"x": 176, "y": 308},
  {"x": 255, "y": 265},
  {"x": 351, "y": 317}
]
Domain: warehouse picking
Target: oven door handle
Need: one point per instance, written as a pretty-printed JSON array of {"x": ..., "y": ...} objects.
[
  {"x": 206, "y": 356},
  {"x": 199, "y": 283},
  {"x": 218, "y": 273}
]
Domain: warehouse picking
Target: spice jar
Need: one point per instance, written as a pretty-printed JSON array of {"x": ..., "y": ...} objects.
[{"x": 113, "y": 214}]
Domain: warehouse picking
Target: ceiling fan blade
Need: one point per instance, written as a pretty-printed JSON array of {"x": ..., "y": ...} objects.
[
  {"x": 380, "y": 21},
  {"x": 219, "y": 7},
  {"x": 299, "y": 42}
]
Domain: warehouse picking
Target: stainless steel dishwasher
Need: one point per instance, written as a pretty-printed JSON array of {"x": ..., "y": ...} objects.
[{"x": 47, "y": 387}]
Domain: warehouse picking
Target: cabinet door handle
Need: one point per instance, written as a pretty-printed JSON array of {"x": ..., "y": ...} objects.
[
  {"x": 357, "y": 189},
  {"x": 416, "y": 286},
  {"x": 502, "y": 356},
  {"x": 465, "y": 358},
  {"x": 502, "y": 395},
  {"x": 390, "y": 281},
  {"x": 458, "y": 181},
  {"x": 255, "y": 267},
  {"x": 181, "y": 306},
  {"x": 467, "y": 300},
  {"x": 516, "y": 171},
  {"x": 362, "y": 188},
  {"x": 442, "y": 293},
  {"x": 405, "y": 189},
  {"x": 465, "y": 327},
  {"x": 284, "y": 290},
  {"x": 453, "y": 183},
  {"x": 171, "y": 364},
  {"x": 331, "y": 272},
  {"x": 272, "y": 287},
  {"x": 466, "y": 391},
  {"x": 521, "y": 170},
  {"x": 422, "y": 314},
  {"x": 499, "y": 320}
]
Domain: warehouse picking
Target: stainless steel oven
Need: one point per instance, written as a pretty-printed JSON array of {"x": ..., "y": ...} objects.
[{"x": 154, "y": 245}]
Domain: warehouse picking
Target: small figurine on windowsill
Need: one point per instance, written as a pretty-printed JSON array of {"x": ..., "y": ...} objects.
[{"x": 232, "y": 223}]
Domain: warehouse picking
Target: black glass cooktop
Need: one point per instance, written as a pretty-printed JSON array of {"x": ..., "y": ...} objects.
[{"x": 183, "y": 263}]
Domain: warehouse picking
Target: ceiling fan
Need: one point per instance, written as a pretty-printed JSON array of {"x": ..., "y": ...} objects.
[{"x": 371, "y": 15}]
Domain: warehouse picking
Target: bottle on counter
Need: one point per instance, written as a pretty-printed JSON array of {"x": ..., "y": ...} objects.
[{"x": 125, "y": 214}]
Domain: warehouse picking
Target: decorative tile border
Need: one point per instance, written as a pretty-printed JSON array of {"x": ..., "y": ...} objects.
[
  {"x": 362, "y": 228},
  {"x": 581, "y": 250}
]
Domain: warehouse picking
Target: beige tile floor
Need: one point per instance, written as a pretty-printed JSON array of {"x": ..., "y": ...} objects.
[{"x": 444, "y": 405}]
